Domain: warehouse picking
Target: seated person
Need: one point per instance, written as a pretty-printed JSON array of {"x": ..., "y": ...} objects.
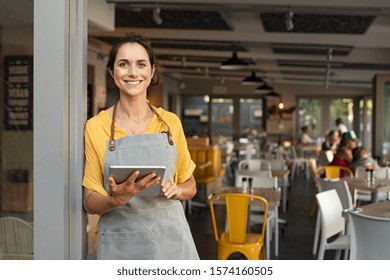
[
  {"x": 332, "y": 141},
  {"x": 362, "y": 158},
  {"x": 343, "y": 156},
  {"x": 305, "y": 137}
]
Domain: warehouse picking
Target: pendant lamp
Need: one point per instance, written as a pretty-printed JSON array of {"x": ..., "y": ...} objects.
[
  {"x": 264, "y": 89},
  {"x": 233, "y": 63},
  {"x": 252, "y": 80}
]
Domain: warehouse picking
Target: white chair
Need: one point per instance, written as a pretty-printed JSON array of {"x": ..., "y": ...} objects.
[
  {"x": 345, "y": 196},
  {"x": 333, "y": 224},
  {"x": 273, "y": 214},
  {"x": 298, "y": 163},
  {"x": 325, "y": 157},
  {"x": 16, "y": 239},
  {"x": 370, "y": 237}
]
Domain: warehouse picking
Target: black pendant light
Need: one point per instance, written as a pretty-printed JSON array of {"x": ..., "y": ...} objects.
[
  {"x": 252, "y": 80},
  {"x": 233, "y": 63},
  {"x": 264, "y": 89}
]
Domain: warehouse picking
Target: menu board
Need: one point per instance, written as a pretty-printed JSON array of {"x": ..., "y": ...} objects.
[{"x": 18, "y": 92}]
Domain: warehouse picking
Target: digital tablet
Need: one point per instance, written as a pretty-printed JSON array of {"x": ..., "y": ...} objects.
[{"x": 122, "y": 173}]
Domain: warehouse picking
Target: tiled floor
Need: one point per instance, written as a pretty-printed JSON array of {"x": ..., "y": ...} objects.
[{"x": 296, "y": 237}]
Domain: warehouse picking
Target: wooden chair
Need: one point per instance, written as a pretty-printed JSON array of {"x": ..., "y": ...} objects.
[
  {"x": 16, "y": 239},
  {"x": 236, "y": 237}
]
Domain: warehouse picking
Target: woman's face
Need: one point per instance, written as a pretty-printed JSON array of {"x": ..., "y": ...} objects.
[{"x": 132, "y": 69}]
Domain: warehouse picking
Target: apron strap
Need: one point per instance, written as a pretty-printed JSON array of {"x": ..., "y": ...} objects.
[{"x": 112, "y": 144}]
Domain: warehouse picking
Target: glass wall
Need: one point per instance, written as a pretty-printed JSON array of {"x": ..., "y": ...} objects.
[
  {"x": 310, "y": 115},
  {"x": 16, "y": 126},
  {"x": 386, "y": 140}
]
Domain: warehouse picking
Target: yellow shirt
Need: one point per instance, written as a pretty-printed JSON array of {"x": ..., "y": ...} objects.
[{"x": 97, "y": 133}]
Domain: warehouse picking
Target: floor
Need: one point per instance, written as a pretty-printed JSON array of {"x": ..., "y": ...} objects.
[{"x": 296, "y": 237}]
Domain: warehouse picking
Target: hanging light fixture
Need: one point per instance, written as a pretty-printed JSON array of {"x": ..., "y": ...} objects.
[
  {"x": 289, "y": 20},
  {"x": 156, "y": 16},
  {"x": 252, "y": 80},
  {"x": 233, "y": 63},
  {"x": 281, "y": 104},
  {"x": 264, "y": 89}
]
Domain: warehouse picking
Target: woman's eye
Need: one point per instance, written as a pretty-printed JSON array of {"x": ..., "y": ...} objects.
[{"x": 122, "y": 64}]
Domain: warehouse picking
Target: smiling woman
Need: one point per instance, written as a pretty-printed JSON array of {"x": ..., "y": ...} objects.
[{"x": 134, "y": 132}]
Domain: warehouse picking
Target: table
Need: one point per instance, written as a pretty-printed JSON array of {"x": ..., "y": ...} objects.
[
  {"x": 379, "y": 209},
  {"x": 380, "y": 186},
  {"x": 272, "y": 196}
]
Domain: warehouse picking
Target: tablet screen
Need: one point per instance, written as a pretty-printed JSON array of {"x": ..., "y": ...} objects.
[{"x": 122, "y": 173}]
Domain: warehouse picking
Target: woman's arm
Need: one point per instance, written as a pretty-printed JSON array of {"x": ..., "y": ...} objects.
[{"x": 96, "y": 203}]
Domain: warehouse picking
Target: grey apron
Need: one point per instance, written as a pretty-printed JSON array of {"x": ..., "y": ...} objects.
[{"x": 146, "y": 227}]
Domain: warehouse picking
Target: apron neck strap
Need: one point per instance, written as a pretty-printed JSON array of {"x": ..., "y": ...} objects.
[{"x": 112, "y": 144}]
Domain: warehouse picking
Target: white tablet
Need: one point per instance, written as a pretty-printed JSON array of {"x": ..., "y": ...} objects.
[{"x": 122, "y": 173}]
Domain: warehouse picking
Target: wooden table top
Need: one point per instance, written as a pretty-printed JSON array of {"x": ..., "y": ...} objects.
[
  {"x": 280, "y": 173},
  {"x": 378, "y": 209},
  {"x": 380, "y": 185}
]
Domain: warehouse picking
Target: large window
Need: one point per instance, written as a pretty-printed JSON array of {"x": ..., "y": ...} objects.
[
  {"x": 222, "y": 111},
  {"x": 341, "y": 108},
  {"x": 386, "y": 140},
  {"x": 310, "y": 115}
]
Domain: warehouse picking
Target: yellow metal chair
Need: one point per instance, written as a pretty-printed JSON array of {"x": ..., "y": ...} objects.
[
  {"x": 333, "y": 171},
  {"x": 236, "y": 237}
]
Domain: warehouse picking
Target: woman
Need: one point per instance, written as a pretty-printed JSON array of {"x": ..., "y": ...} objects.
[{"x": 134, "y": 132}]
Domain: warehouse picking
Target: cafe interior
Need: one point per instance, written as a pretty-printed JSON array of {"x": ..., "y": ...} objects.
[{"x": 245, "y": 77}]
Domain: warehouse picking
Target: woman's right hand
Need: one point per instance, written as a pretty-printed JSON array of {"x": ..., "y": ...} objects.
[{"x": 122, "y": 193}]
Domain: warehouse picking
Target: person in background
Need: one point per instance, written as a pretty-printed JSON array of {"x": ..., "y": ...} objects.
[
  {"x": 305, "y": 138},
  {"x": 134, "y": 132},
  {"x": 332, "y": 141},
  {"x": 362, "y": 158},
  {"x": 342, "y": 128},
  {"x": 343, "y": 156}
]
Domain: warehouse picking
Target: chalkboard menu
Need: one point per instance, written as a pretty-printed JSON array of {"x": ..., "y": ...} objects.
[{"x": 18, "y": 92}]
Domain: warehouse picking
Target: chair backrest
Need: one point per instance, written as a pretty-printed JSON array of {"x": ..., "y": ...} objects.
[
  {"x": 370, "y": 238},
  {"x": 260, "y": 181},
  {"x": 341, "y": 187},
  {"x": 278, "y": 163},
  {"x": 236, "y": 206},
  {"x": 331, "y": 213},
  {"x": 333, "y": 171},
  {"x": 16, "y": 239},
  {"x": 380, "y": 173},
  {"x": 254, "y": 164}
]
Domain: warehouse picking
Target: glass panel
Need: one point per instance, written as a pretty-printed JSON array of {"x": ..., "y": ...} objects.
[
  {"x": 386, "y": 140},
  {"x": 365, "y": 123},
  {"x": 251, "y": 117},
  {"x": 341, "y": 108},
  {"x": 222, "y": 110},
  {"x": 310, "y": 114},
  {"x": 195, "y": 115},
  {"x": 16, "y": 126}
]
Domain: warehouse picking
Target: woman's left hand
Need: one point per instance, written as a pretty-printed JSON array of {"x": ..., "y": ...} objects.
[{"x": 170, "y": 189}]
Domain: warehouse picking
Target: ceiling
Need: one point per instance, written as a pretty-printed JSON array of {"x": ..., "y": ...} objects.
[
  {"x": 333, "y": 42},
  {"x": 343, "y": 42}
]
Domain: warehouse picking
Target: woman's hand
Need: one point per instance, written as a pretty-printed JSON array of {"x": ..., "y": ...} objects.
[
  {"x": 170, "y": 189},
  {"x": 122, "y": 193}
]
